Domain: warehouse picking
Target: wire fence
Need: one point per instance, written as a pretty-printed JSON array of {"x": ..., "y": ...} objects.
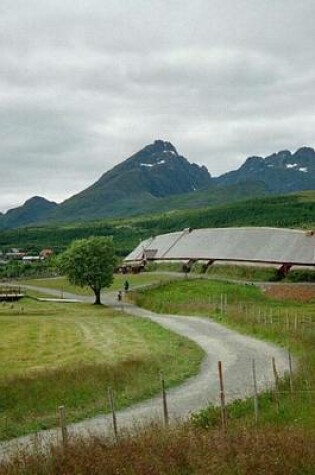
[
  {"x": 251, "y": 313},
  {"x": 281, "y": 393}
]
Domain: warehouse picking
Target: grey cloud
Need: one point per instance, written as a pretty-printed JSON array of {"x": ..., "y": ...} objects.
[{"x": 84, "y": 85}]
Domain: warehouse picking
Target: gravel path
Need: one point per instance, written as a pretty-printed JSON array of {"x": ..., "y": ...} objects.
[{"x": 219, "y": 343}]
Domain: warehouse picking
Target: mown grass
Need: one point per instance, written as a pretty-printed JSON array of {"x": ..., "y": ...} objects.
[
  {"x": 69, "y": 354},
  {"x": 247, "y": 308},
  {"x": 63, "y": 285}
]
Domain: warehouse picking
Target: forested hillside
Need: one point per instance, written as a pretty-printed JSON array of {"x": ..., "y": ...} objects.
[{"x": 295, "y": 211}]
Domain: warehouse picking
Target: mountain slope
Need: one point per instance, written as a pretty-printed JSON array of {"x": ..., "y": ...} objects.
[
  {"x": 33, "y": 210},
  {"x": 281, "y": 172},
  {"x": 157, "y": 171},
  {"x": 157, "y": 178}
]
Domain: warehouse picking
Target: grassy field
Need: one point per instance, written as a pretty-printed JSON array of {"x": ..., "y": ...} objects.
[
  {"x": 284, "y": 319},
  {"x": 62, "y": 284},
  {"x": 281, "y": 443},
  {"x": 53, "y": 354}
]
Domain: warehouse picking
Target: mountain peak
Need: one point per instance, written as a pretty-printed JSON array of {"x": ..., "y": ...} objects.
[
  {"x": 161, "y": 145},
  {"x": 38, "y": 200},
  {"x": 33, "y": 210},
  {"x": 282, "y": 172},
  {"x": 157, "y": 149},
  {"x": 159, "y": 170},
  {"x": 305, "y": 152},
  {"x": 156, "y": 171}
]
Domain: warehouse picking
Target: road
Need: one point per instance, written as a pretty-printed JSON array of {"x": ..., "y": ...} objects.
[{"x": 218, "y": 342}]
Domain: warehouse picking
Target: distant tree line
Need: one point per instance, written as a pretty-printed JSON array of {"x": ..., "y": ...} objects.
[{"x": 294, "y": 211}]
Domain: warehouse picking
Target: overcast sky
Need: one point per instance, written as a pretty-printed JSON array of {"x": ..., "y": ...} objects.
[{"x": 86, "y": 83}]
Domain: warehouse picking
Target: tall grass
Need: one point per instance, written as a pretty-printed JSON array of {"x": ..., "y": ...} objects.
[{"x": 178, "y": 451}]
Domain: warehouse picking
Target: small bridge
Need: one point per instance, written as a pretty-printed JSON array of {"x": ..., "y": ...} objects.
[
  {"x": 8, "y": 294},
  {"x": 282, "y": 247}
]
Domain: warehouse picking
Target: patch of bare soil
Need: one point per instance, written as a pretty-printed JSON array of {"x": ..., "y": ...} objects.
[{"x": 299, "y": 292}]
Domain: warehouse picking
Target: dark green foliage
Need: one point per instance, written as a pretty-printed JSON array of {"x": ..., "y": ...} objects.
[
  {"x": 301, "y": 276},
  {"x": 90, "y": 262},
  {"x": 18, "y": 269}
]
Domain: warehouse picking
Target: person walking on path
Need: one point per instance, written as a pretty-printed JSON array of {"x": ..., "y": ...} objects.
[{"x": 126, "y": 286}]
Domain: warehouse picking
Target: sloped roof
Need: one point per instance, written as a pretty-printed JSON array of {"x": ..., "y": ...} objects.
[{"x": 252, "y": 244}]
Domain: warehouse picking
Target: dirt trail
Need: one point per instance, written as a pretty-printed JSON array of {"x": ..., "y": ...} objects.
[{"x": 219, "y": 343}]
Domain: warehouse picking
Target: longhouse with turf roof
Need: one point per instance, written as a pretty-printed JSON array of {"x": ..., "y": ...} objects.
[{"x": 276, "y": 246}]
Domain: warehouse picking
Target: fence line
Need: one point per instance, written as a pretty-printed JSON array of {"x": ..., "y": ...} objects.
[
  {"x": 275, "y": 391},
  {"x": 253, "y": 313}
]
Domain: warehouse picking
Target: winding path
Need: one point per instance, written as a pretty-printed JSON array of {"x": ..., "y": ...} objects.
[{"x": 219, "y": 343}]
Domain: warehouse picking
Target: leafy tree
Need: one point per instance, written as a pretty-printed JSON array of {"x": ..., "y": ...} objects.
[{"x": 90, "y": 262}]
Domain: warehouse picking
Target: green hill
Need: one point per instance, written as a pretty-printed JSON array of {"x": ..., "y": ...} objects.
[{"x": 295, "y": 211}]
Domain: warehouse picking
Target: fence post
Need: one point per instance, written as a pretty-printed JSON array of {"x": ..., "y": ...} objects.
[
  {"x": 255, "y": 391},
  {"x": 290, "y": 373},
  {"x": 63, "y": 425},
  {"x": 112, "y": 406},
  {"x": 221, "y": 304},
  {"x": 165, "y": 409},
  {"x": 222, "y": 398},
  {"x": 276, "y": 377}
]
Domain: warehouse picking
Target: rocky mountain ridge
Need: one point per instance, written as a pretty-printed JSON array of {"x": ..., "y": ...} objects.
[
  {"x": 157, "y": 177},
  {"x": 282, "y": 172}
]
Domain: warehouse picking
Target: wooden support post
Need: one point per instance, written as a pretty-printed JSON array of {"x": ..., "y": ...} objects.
[
  {"x": 112, "y": 407},
  {"x": 283, "y": 270},
  {"x": 222, "y": 398},
  {"x": 165, "y": 409},
  {"x": 206, "y": 266},
  {"x": 63, "y": 425},
  {"x": 255, "y": 391}
]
